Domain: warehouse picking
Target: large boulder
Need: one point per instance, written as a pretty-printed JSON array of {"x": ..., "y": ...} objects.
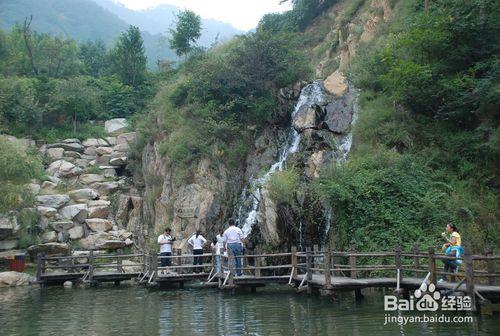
[
  {"x": 71, "y": 146},
  {"x": 126, "y": 138},
  {"x": 8, "y": 226},
  {"x": 84, "y": 194},
  {"x": 99, "y": 212},
  {"x": 75, "y": 212},
  {"x": 8, "y": 244},
  {"x": 48, "y": 187},
  {"x": 47, "y": 212},
  {"x": 49, "y": 237},
  {"x": 48, "y": 249},
  {"x": 104, "y": 150},
  {"x": 72, "y": 154},
  {"x": 338, "y": 116},
  {"x": 34, "y": 188},
  {"x": 61, "y": 226},
  {"x": 63, "y": 168},
  {"x": 99, "y": 224},
  {"x": 72, "y": 140},
  {"x": 123, "y": 147},
  {"x": 55, "y": 153},
  {"x": 94, "y": 240},
  {"x": 103, "y": 160},
  {"x": 52, "y": 201},
  {"x": 112, "y": 245},
  {"x": 76, "y": 232},
  {"x": 118, "y": 161},
  {"x": 336, "y": 84},
  {"x": 105, "y": 188},
  {"x": 91, "y": 151},
  {"x": 116, "y": 126},
  {"x": 308, "y": 117},
  {"x": 91, "y": 178},
  {"x": 10, "y": 279},
  {"x": 95, "y": 142},
  {"x": 111, "y": 140}
]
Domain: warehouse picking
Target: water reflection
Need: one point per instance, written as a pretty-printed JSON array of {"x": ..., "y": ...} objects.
[{"x": 195, "y": 311}]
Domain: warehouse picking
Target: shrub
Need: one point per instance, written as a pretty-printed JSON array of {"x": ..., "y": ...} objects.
[
  {"x": 16, "y": 169},
  {"x": 283, "y": 186}
]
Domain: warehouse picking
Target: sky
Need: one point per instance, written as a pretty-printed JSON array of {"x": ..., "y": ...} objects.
[{"x": 243, "y": 14}]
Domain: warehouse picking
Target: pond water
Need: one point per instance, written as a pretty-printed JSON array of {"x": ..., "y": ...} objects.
[{"x": 129, "y": 310}]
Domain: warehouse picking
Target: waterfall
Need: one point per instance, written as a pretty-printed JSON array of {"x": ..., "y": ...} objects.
[{"x": 310, "y": 95}]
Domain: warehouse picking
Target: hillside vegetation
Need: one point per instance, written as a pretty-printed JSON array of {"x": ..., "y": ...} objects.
[
  {"x": 427, "y": 136},
  {"x": 53, "y": 88}
]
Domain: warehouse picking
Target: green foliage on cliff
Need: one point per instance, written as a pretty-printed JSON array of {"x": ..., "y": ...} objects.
[
  {"x": 17, "y": 168},
  {"x": 220, "y": 97},
  {"x": 283, "y": 186},
  {"x": 427, "y": 137}
]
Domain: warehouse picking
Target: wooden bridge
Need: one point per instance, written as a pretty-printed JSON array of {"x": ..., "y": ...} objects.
[{"x": 325, "y": 272}]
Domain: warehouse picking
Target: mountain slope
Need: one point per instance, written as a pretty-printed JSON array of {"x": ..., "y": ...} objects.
[
  {"x": 81, "y": 20},
  {"x": 159, "y": 19}
]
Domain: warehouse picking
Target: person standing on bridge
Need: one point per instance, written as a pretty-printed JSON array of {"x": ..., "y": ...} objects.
[
  {"x": 218, "y": 247},
  {"x": 233, "y": 240},
  {"x": 165, "y": 241},
  {"x": 197, "y": 241}
]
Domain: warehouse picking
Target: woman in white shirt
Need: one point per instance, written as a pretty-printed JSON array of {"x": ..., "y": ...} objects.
[{"x": 197, "y": 241}]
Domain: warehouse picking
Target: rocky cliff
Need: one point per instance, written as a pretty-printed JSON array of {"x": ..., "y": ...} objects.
[{"x": 216, "y": 192}]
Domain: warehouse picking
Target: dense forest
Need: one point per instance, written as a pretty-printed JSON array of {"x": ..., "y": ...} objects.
[{"x": 426, "y": 140}]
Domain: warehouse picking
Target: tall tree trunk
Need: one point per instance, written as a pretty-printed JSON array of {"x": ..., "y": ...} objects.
[{"x": 27, "y": 35}]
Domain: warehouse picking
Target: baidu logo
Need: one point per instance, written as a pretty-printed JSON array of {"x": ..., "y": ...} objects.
[
  {"x": 427, "y": 301},
  {"x": 427, "y": 298}
]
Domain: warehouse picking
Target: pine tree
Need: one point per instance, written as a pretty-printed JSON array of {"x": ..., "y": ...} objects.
[{"x": 128, "y": 57}]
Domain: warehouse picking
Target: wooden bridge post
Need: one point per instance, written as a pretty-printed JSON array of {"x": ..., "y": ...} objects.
[
  {"x": 214, "y": 270},
  {"x": 154, "y": 266},
  {"x": 490, "y": 267},
  {"x": 179, "y": 260},
  {"x": 397, "y": 262},
  {"x": 40, "y": 267},
  {"x": 416, "y": 260},
  {"x": 144, "y": 263},
  {"x": 230, "y": 264},
  {"x": 469, "y": 277},
  {"x": 294, "y": 261},
  {"x": 315, "y": 253},
  {"x": 244, "y": 261},
  {"x": 326, "y": 267},
  {"x": 309, "y": 263},
  {"x": 257, "y": 263},
  {"x": 119, "y": 267},
  {"x": 354, "y": 273},
  {"x": 352, "y": 262},
  {"x": 91, "y": 267},
  {"x": 432, "y": 265}
]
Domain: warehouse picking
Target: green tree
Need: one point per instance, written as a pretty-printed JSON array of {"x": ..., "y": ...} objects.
[
  {"x": 187, "y": 31},
  {"x": 128, "y": 57},
  {"x": 94, "y": 57},
  {"x": 75, "y": 99}
]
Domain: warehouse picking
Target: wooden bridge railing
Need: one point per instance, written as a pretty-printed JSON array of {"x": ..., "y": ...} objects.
[
  {"x": 475, "y": 270},
  {"x": 88, "y": 264}
]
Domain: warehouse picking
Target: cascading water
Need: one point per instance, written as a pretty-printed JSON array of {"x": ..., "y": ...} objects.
[{"x": 310, "y": 95}]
